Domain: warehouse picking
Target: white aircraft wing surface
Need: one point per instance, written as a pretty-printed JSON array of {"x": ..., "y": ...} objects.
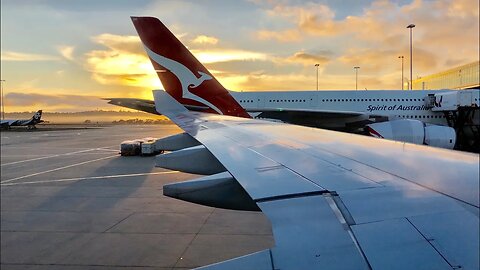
[{"x": 344, "y": 201}]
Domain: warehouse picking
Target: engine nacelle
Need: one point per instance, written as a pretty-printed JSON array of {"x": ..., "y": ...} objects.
[
  {"x": 219, "y": 190},
  {"x": 414, "y": 131},
  {"x": 440, "y": 136},
  {"x": 176, "y": 142},
  {"x": 196, "y": 160}
]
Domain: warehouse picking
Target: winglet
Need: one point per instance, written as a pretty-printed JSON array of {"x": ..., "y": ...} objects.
[
  {"x": 167, "y": 105},
  {"x": 182, "y": 75}
]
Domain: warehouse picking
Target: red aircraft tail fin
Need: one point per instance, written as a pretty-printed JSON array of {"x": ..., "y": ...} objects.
[{"x": 181, "y": 74}]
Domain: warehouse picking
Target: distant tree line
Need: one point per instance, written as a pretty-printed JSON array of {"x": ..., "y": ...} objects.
[{"x": 137, "y": 121}]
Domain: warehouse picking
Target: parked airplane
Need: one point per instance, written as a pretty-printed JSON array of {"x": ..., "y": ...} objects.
[
  {"x": 398, "y": 115},
  {"x": 29, "y": 123},
  {"x": 335, "y": 200}
]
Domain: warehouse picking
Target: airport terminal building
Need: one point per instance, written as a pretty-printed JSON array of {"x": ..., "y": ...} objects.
[{"x": 462, "y": 77}]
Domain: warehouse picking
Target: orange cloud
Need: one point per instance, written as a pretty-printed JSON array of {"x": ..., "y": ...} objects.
[
  {"x": 446, "y": 32},
  {"x": 308, "y": 59},
  {"x": 66, "y": 52},
  {"x": 34, "y": 99},
  {"x": 26, "y": 57},
  {"x": 288, "y": 35},
  {"x": 202, "y": 39},
  {"x": 123, "y": 62},
  {"x": 225, "y": 55}
]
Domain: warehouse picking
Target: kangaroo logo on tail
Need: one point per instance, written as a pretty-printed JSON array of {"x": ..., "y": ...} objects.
[{"x": 186, "y": 77}]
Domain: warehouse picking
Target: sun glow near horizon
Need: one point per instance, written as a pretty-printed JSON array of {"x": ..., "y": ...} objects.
[{"x": 277, "y": 51}]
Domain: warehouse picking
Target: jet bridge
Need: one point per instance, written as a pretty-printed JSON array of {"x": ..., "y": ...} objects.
[{"x": 462, "y": 112}]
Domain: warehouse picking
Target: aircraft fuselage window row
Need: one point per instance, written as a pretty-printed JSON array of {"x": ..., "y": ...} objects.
[
  {"x": 276, "y": 100},
  {"x": 341, "y": 100},
  {"x": 372, "y": 99},
  {"x": 421, "y": 116}
]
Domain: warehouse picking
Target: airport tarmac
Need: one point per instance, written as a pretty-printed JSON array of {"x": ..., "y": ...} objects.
[{"x": 70, "y": 201}]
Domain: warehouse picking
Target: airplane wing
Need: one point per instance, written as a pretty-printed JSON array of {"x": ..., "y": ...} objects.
[
  {"x": 343, "y": 201},
  {"x": 145, "y": 105}
]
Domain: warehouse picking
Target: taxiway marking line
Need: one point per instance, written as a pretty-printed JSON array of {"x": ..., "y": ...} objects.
[
  {"x": 89, "y": 178},
  {"x": 56, "y": 169},
  {"x": 57, "y": 155}
]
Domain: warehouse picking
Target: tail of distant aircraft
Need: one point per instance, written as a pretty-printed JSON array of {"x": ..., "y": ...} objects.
[
  {"x": 36, "y": 119},
  {"x": 30, "y": 123},
  {"x": 37, "y": 116},
  {"x": 181, "y": 74}
]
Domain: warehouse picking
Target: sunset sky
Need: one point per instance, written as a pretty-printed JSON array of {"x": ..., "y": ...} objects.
[{"x": 63, "y": 55}]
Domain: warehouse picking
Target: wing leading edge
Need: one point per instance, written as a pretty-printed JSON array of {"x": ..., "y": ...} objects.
[{"x": 342, "y": 201}]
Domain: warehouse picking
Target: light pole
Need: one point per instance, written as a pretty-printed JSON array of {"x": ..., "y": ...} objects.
[
  {"x": 411, "y": 26},
  {"x": 401, "y": 56},
  {"x": 317, "y": 65},
  {"x": 1, "y": 103},
  {"x": 356, "y": 77}
]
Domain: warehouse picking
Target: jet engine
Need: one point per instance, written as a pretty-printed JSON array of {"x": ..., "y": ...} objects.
[
  {"x": 218, "y": 190},
  {"x": 176, "y": 142},
  {"x": 414, "y": 131}
]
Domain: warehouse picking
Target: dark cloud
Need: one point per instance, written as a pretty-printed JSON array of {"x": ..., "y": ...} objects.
[
  {"x": 307, "y": 58},
  {"x": 53, "y": 102}
]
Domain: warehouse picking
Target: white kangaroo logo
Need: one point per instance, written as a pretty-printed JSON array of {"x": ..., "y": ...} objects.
[{"x": 186, "y": 77}]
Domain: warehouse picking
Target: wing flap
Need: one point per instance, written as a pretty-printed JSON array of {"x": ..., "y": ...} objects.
[
  {"x": 320, "y": 240},
  {"x": 396, "y": 244},
  {"x": 453, "y": 234},
  {"x": 376, "y": 204}
]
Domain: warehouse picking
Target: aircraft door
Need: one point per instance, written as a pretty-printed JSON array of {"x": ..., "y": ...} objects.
[{"x": 313, "y": 100}]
